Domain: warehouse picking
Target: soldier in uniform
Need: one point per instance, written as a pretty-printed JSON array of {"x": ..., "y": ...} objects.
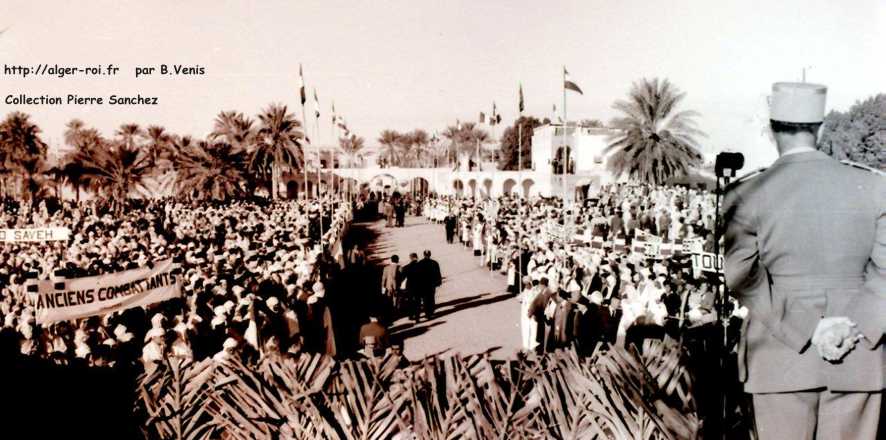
[{"x": 806, "y": 253}]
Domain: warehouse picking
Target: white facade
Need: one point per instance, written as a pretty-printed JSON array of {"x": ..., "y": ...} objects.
[
  {"x": 589, "y": 170},
  {"x": 586, "y": 144}
]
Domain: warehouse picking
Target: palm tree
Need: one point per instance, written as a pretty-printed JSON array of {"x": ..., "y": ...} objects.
[
  {"x": 405, "y": 150},
  {"x": 129, "y": 134},
  {"x": 22, "y": 152},
  {"x": 654, "y": 142},
  {"x": 389, "y": 140},
  {"x": 352, "y": 148},
  {"x": 234, "y": 128},
  {"x": 159, "y": 147},
  {"x": 466, "y": 139},
  {"x": 420, "y": 147},
  {"x": 209, "y": 169},
  {"x": 73, "y": 129},
  {"x": 277, "y": 144},
  {"x": 115, "y": 170},
  {"x": 452, "y": 134},
  {"x": 81, "y": 140}
]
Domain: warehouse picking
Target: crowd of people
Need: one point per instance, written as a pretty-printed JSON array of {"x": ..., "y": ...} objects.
[
  {"x": 253, "y": 278},
  {"x": 576, "y": 293},
  {"x": 254, "y": 274}
]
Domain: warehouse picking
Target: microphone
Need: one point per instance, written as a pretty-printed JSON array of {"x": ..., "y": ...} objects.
[{"x": 728, "y": 163}]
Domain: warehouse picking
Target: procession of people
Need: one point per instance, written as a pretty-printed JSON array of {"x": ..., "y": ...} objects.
[{"x": 574, "y": 292}]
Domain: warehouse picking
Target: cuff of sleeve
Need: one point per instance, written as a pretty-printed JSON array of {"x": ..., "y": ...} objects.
[
  {"x": 866, "y": 310},
  {"x": 797, "y": 331},
  {"x": 873, "y": 335}
]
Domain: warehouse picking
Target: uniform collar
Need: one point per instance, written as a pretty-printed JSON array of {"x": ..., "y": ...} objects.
[{"x": 804, "y": 156}]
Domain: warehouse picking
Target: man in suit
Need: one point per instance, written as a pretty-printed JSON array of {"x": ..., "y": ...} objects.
[
  {"x": 390, "y": 281},
  {"x": 450, "y": 222},
  {"x": 536, "y": 311},
  {"x": 806, "y": 253},
  {"x": 431, "y": 278},
  {"x": 411, "y": 279}
]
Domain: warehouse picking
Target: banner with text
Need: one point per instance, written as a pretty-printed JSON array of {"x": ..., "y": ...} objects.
[
  {"x": 34, "y": 235},
  {"x": 98, "y": 295},
  {"x": 707, "y": 262}
]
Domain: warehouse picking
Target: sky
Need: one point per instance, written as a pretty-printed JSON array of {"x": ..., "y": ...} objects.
[{"x": 406, "y": 64}]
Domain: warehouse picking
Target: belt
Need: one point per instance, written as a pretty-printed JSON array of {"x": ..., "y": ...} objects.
[{"x": 817, "y": 282}]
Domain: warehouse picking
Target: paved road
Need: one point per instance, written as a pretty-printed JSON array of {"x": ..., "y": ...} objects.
[{"x": 474, "y": 312}]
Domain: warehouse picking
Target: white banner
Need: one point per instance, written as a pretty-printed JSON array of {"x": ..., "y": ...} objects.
[
  {"x": 707, "y": 262},
  {"x": 34, "y": 235},
  {"x": 98, "y": 295}
]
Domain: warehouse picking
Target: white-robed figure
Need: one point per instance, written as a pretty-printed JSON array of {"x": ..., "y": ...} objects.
[
  {"x": 528, "y": 326},
  {"x": 465, "y": 232},
  {"x": 477, "y": 239},
  {"x": 491, "y": 254}
]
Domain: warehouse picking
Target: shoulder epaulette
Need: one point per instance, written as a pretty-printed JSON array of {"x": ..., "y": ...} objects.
[
  {"x": 862, "y": 167},
  {"x": 744, "y": 178}
]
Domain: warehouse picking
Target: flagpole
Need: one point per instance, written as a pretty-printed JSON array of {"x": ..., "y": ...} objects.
[
  {"x": 519, "y": 272},
  {"x": 319, "y": 175},
  {"x": 335, "y": 141},
  {"x": 489, "y": 195},
  {"x": 304, "y": 120},
  {"x": 565, "y": 148}
]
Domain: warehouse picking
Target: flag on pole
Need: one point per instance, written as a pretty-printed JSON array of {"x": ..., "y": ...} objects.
[
  {"x": 316, "y": 104},
  {"x": 301, "y": 85},
  {"x": 495, "y": 118},
  {"x": 520, "y": 106},
  {"x": 567, "y": 84}
]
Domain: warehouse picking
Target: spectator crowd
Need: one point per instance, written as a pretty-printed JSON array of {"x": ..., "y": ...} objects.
[
  {"x": 253, "y": 278},
  {"x": 576, "y": 270}
]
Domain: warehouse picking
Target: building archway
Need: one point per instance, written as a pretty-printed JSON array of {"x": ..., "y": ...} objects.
[
  {"x": 559, "y": 162},
  {"x": 527, "y": 187},
  {"x": 383, "y": 183},
  {"x": 472, "y": 188},
  {"x": 292, "y": 190},
  {"x": 420, "y": 186},
  {"x": 508, "y": 186},
  {"x": 487, "y": 188},
  {"x": 458, "y": 187}
]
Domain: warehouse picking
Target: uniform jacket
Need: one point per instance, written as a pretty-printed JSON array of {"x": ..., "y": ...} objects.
[{"x": 807, "y": 239}]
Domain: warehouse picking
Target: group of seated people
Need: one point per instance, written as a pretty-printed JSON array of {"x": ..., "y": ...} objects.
[
  {"x": 253, "y": 279},
  {"x": 575, "y": 294}
]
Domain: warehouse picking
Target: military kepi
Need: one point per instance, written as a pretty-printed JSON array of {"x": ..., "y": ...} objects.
[{"x": 801, "y": 103}]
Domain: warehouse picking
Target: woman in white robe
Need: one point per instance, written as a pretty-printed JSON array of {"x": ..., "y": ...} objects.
[
  {"x": 528, "y": 326},
  {"x": 478, "y": 239}
]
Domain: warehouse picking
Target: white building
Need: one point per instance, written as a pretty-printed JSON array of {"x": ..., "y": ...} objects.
[{"x": 587, "y": 166}]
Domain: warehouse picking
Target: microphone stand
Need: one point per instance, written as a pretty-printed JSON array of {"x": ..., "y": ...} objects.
[{"x": 721, "y": 299}]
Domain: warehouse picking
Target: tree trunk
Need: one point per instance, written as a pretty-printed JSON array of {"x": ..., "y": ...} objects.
[{"x": 274, "y": 181}]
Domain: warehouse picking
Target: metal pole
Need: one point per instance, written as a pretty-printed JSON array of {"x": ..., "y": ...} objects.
[
  {"x": 304, "y": 122},
  {"x": 519, "y": 272},
  {"x": 565, "y": 147}
]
